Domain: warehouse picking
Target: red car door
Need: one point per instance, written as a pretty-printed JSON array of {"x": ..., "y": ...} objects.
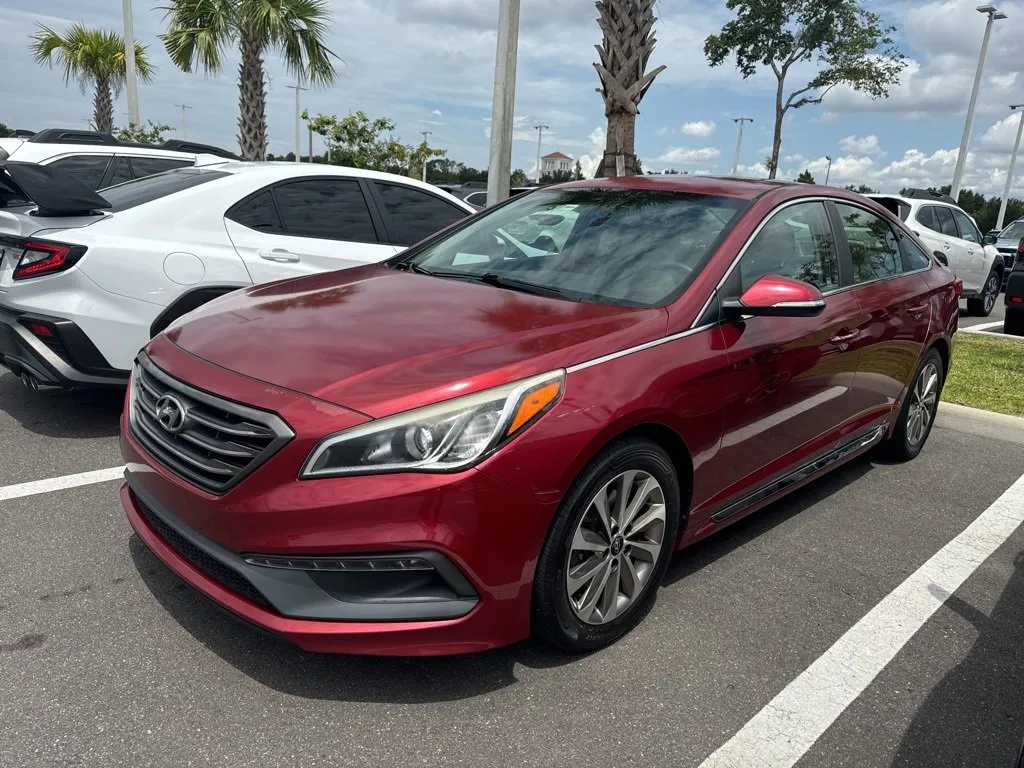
[
  {"x": 788, "y": 391},
  {"x": 895, "y": 311}
]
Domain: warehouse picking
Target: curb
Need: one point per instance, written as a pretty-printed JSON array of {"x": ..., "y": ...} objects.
[
  {"x": 978, "y": 414},
  {"x": 984, "y": 424},
  {"x": 983, "y": 330}
]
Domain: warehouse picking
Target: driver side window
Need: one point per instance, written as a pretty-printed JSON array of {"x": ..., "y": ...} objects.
[{"x": 796, "y": 242}]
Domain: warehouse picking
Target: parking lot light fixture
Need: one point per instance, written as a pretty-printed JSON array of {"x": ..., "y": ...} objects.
[
  {"x": 1009, "y": 171},
  {"x": 993, "y": 14}
]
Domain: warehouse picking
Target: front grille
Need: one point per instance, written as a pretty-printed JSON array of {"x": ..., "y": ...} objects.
[
  {"x": 213, "y": 568},
  {"x": 208, "y": 441},
  {"x": 1008, "y": 257}
]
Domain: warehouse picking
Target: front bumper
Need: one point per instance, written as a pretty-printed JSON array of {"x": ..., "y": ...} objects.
[{"x": 66, "y": 358}]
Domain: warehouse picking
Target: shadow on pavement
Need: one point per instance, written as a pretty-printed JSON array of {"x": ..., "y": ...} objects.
[
  {"x": 57, "y": 413},
  {"x": 285, "y": 668},
  {"x": 975, "y": 715}
]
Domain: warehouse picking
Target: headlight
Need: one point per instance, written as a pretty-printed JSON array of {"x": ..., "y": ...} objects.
[{"x": 440, "y": 438}]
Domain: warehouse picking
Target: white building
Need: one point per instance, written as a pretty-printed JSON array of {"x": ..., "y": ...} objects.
[{"x": 555, "y": 162}]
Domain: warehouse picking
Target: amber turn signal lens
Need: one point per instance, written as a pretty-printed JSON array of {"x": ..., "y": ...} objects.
[{"x": 533, "y": 404}]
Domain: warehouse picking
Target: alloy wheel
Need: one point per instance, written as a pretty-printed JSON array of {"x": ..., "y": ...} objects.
[
  {"x": 991, "y": 292},
  {"x": 924, "y": 399},
  {"x": 616, "y": 547}
]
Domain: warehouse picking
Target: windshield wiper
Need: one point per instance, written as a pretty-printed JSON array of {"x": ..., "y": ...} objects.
[{"x": 492, "y": 278}]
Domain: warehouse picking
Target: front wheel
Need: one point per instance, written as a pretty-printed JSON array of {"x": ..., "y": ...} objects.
[
  {"x": 608, "y": 548},
  {"x": 983, "y": 305},
  {"x": 917, "y": 416}
]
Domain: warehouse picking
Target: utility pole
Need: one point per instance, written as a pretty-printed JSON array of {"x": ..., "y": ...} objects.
[
  {"x": 828, "y": 171},
  {"x": 131, "y": 74},
  {"x": 425, "y": 158},
  {"x": 540, "y": 135},
  {"x": 499, "y": 165},
  {"x": 298, "y": 126},
  {"x": 961, "y": 158},
  {"x": 310, "y": 127},
  {"x": 739, "y": 141},
  {"x": 184, "y": 133},
  {"x": 1009, "y": 172}
]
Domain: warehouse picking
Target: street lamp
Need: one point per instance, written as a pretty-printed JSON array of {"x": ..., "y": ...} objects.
[
  {"x": 828, "y": 171},
  {"x": 540, "y": 135},
  {"x": 993, "y": 14},
  {"x": 739, "y": 141},
  {"x": 1013, "y": 162}
]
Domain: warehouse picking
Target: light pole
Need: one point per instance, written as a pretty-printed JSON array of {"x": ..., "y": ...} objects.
[
  {"x": 131, "y": 74},
  {"x": 739, "y": 141},
  {"x": 298, "y": 129},
  {"x": 540, "y": 136},
  {"x": 184, "y": 133},
  {"x": 1013, "y": 162},
  {"x": 828, "y": 171},
  {"x": 993, "y": 13},
  {"x": 425, "y": 134},
  {"x": 499, "y": 165}
]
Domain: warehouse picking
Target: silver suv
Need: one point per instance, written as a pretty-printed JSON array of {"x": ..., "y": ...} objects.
[{"x": 955, "y": 239}]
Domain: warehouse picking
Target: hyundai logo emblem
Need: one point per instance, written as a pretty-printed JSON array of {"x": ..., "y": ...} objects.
[{"x": 170, "y": 413}]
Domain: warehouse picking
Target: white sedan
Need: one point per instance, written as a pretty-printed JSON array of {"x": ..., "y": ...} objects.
[{"x": 87, "y": 280}]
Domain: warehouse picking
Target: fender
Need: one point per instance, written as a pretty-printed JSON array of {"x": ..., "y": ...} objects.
[{"x": 186, "y": 302}]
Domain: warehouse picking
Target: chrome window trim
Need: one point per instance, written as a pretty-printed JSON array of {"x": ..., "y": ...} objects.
[{"x": 638, "y": 348}]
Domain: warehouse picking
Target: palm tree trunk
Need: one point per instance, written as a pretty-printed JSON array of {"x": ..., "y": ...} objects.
[
  {"x": 252, "y": 100},
  {"x": 103, "y": 106},
  {"x": 620, "y": 145}
]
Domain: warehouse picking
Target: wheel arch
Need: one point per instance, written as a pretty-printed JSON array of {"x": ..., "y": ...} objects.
[{"x": 188, "y": 301}]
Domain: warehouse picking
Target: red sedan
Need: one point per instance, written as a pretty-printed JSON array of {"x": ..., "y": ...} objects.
[{"x": 507, "y": 429}]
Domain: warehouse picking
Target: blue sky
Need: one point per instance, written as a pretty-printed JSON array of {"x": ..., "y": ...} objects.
[{"x": 429, "y": 65}]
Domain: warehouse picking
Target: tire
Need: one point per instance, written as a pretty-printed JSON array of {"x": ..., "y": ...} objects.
[
  {"x": 983, "y": 305},
  {"x": 579, "y": 542},
  {"x": 1013, "y": 323},
  {"x": 909, "y": 435}
]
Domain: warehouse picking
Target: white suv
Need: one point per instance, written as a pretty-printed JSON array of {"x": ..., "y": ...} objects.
[
  {"x": 87, "y": 278},
  {"x": 99, "y": 160},
  {"x": 955, "y": 239}
]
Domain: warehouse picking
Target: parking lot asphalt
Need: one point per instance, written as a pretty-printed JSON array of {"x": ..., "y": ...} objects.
[
  {"x": 997, "y": 316},
  {"x": 107, "y": 658}
]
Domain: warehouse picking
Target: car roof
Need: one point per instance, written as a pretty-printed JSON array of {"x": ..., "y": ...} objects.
[
  {"x": 722, "y": 186},
  {"x": 287, "y": 170},
  {"x": 34, "y": 153}
]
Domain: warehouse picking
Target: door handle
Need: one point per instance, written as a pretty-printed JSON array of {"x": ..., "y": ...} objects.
[
  {"x": 279, "y": 255},
  {"x": 844, "y": 337},
  {"x": 947, "y": 246},
  {"x": 918, "y": 310}
]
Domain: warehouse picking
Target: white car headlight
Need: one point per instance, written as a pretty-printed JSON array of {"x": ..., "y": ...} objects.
[{"x": 445, "y": 437}]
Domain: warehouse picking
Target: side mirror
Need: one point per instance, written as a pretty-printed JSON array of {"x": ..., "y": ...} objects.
[
  {"x": 776, "y": 296},
  {"x": 941, "y": 258},
  {"x": 992, "y": 237}
]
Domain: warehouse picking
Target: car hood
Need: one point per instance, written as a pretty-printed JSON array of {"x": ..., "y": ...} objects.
[{"x": 380, "y": 341}]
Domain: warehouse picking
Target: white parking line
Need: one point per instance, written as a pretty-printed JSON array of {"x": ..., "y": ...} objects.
[
  {"x": 982, "y": 326},
  {"x": 59, "y": 483},
  {"x": 781, "y": 733}
]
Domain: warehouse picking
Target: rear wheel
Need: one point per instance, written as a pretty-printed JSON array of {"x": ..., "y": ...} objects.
[
  {"x": 917, "y": 416},
  {"x": 983, "y": 305},
  {"x": 1013, "y": 323},
  {"x": 608, "y": 548}
]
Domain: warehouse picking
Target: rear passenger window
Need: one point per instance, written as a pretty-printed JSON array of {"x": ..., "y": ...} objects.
[
  {"x": 414, "y": 214},
  {"x": 944, "y": 216},
  {"x": 88, "y": 169},
  {"x": 258, "y": 213},
  {"x": 797, "y": 242},
  {"x": 329, "y": 209},
  {"x": 874, "y": 250},
  {"x": 926, "y": 217},
  {"x": 147, "y": 166},
  {"x": 122, "y": 172}
]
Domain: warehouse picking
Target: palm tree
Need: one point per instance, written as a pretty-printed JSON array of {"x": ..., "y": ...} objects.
[
  {"x": 92, "y": 57},
  {"x": 627, "y": 44},
  {"x": 200, "y": 30}
]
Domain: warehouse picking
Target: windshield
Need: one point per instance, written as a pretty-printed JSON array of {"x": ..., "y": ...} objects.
[
  {"x": 622, "y": 246},
  {"x": 1013, "y": 232},
  {"x": 149, "y": 188}
]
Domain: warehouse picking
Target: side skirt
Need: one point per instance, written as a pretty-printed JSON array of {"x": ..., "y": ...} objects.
[{"x": 802, "y": 473}]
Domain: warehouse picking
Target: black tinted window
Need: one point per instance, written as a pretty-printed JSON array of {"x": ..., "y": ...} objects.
[
  {"x": 414, "y": 214},
  {"x": 258, "y": 212},
  {"x": 926, "y": 217},
  {"x": 913, "y": 256},
  {"x": 147, "y": 166},
  {"x": 86, "y": 168},
  {"x": 329, "y": 209},
  {"x": 873, "y": 246},
  {"x": 149, "y": 188},
  {"x": 944, "y": 217},
  {"x": 633, "y": 247},
  {"x": 122, "y": 172},
  {"x": 968, "y": 231},
  {"x": 797, "y": 242}
]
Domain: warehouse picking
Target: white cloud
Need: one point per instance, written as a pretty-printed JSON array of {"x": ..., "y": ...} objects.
[
  {"x": 590, "y": 160},
  {"x": 699, "y": 128},
  {"x": 687, "y": 156},
  {"x": 999, "y": 138},
  {"x": 860, "y": 145},
  {"x": 437, "y": 112}
]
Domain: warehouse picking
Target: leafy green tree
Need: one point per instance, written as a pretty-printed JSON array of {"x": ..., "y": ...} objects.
[
  {"x": 557, "y": 177},
  {"x": 577, "y": 172},
  {"x": 420, "y": 154},
  {"x": 842, "y": 40},
  {"x": 862, "y": 189},
  {"x": 518, "y": 178},
  {"x": 200, "y": 31},
  {"x": 357, "y": 141},
  {"x": 151, "y": 133},
  {"x": 805, "y": 177},
  {"x": 95, "y": 58},
  {"x": 5, "y": 131}
]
